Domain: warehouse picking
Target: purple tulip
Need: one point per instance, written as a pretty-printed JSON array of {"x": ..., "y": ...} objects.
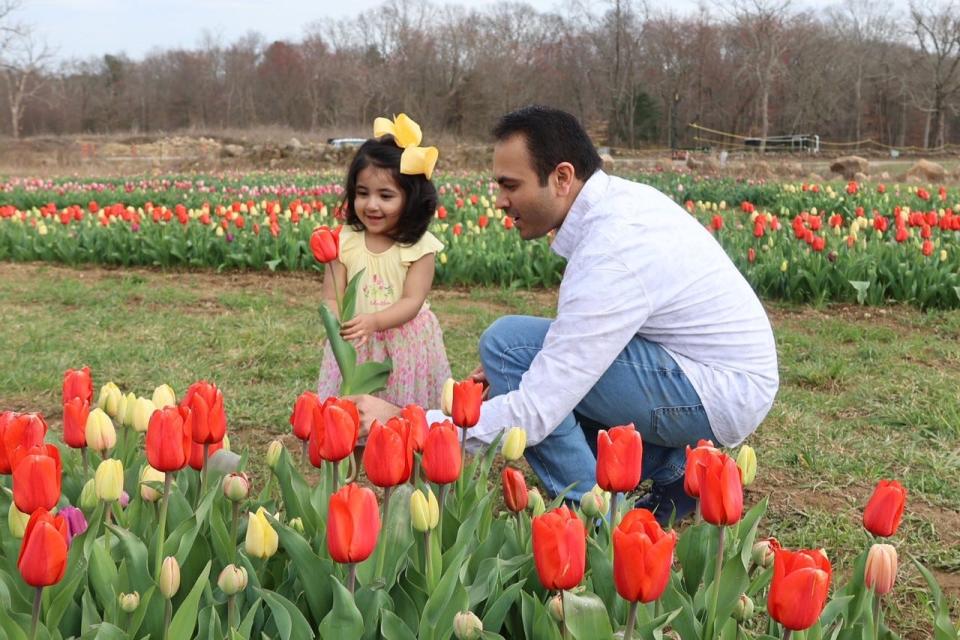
[
  {"x": 124, "y": 500},
  {"x": 76, "y": 523}
]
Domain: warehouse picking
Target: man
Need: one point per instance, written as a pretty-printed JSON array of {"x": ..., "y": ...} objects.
[{"x": 655, "y": 326}]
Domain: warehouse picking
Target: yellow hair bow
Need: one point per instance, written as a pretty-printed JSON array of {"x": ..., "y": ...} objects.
[{"x": 407, "y": 134}]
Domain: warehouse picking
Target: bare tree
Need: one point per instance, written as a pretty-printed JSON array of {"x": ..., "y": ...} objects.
[
  {"x": 937, "y": 31},
  {"x": 22, "y": 66}
]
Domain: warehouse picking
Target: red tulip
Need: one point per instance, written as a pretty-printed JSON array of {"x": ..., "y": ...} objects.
[
  {"x": 302, "y": 417},
  {"x": 559, "y": 548},
  {"x": 75, "y": 414},
  {"x": 168, "y": 440},
  {"x": 884, "y": 511},
  {"x": 196, "y": 453},
  {"x": 642, "y": 555},
  {"x": 721, "y": 490},
  {"x": 43, "y": 552},
  {"x": 19, "y": 431},
  {"x": 336, "y": 427},
  {"x": 77, "y": 383},
  {"x": 353, "y": 524},
  {"x": 619, "y": 459},
  {"x": 208, "y": 422},
  {"x": 417, "y": 418},
  {"x": 388, "y": 456},
  {"x": 799, "y": 588},
  {"x": 697, "y": 458},
  {"x": 467, "y": 398},
  {"x": 37, "y": 473},
  {"x": 325, "y": 243},
  {"x": 514, "y": 489},
  {"x": 441, "y": 453}
]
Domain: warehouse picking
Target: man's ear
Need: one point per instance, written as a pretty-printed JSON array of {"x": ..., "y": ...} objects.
[{"x": 562, "y": 178}]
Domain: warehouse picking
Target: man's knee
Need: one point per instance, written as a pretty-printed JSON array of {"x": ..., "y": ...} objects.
[{"x": 494, "y": 341}]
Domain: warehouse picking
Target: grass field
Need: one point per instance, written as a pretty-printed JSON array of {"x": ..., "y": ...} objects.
[{"x": 866, "y": 393}]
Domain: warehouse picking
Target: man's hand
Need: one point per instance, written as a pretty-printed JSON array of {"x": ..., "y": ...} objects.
[
  {"x": 479, "y": 375},
  {"x": 360, "y": 327},
  {"x": 372, "y": 408}
]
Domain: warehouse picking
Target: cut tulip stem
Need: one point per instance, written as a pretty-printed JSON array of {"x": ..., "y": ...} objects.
[
  {"x": 37, "y": 599},
  {"x": 631, "y": 621}
]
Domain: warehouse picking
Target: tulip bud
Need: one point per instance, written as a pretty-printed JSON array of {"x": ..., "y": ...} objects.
[
  {"x": 108, "y": 480},
  {"x": 236, "y": 486},
  {"x": 555, "y": 607},
  {"x": 424, "y": 510},
  {"x": 232, "y": 580},
  {"x": 514, "y": 443},
  {"x": 149, "y": 474},
  {"x": 225, "y": 443},
  {"x": 747, "y": 462},
  {"x": 163, "y": 396},
  {"x": 762, "y": 553},
  {"x": 535, "y": 503},
  {"x": 124, "y": 499},
  {"x": 17, "y": 520},
  {"x": 743, "y": 610},
  {"x": 129, "y": 601},
  {"x": 297, "y": 525},
  {"x": 110, "y": 397},
  {"x": 881, "y": 570},
  {"x": 100, "y": 433},
  {"x": 446, "y": 402},
  {"x": 169, "y": 577},
  {"x": 273, "y": 453},
  {"x": 467, "y": 626},
  {"x": 593, "y": 505},
  {"x": 127, "y": 407},
  {"x": 88, "y": 496},
  {"x": 143, "y": 408}
]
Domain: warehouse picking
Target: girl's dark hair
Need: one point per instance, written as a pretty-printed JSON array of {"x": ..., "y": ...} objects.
[{"x": 420, "y": 196}]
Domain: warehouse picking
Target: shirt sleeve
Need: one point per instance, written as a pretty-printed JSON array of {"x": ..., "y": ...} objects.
[
  {"x": 602, "y": 305},
  {"x": 425, "y": 245}
]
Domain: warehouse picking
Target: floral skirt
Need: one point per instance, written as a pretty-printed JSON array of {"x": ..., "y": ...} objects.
[{"x": 420, "y": 365}]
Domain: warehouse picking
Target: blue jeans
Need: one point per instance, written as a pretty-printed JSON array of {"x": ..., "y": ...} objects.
[{"x": 644, "y": 385}]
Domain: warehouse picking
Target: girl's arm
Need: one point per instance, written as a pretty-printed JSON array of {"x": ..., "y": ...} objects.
[
  {"x": 329, "y": 296},
  {"x": 416, "y": 286}
]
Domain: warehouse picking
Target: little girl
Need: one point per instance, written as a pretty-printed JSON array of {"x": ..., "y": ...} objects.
[{"x": 389, "y": 204}]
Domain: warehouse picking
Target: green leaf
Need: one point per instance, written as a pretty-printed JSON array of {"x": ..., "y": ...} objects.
[
  {"x": 344, "y": 619},
  {"x": 497, "y": 610},
  {"x": 393, "y": 628},
  {"x": 103, "y": 577},
  {"x": 185, "y": 619},
  {"x": 288, "y": 619},
  {"x": 586, "y": 616},
  {"x": 943, "y": 629},
  {"x": 445, "y": 601},
  {"x": 135, "y": 555},
  {"x": 246, "y": 626},
  {"x": 396, "y": 538},
  {"x": 343, "y": 351},
  {"x": 695, "y": 547},
  {"x": 310, "y": 569}
]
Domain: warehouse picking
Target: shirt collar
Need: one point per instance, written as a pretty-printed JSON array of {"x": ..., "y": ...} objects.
[{"x": 571, "y": 231}]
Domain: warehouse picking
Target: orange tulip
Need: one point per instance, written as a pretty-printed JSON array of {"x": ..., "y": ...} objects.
[
  {"x": 302, "y": 417},
  {"x": 884, "y": 511},
  {"x": 208, "y": 422},
  {"x": 336, "y": 427},
  {"x": 514, "y": 489},
  {"x": 75, "y": 414},
  {"x": 353, "y": 524},
  {"x": 799, "y": 587},
  {"x": 388, "y": 456},
  {"x": 168, "y": 440},
  {"x": 77, "y": 383},
  {"x": 37, "y": 473},
  {"x": 467, "y": 398},
  {"x": 559, "y": 548},
  {"x": 43, "y": 552},
  {"x": 325, "y": 243},
  {"x": 441, "y": 453},
  {"x": 619, "y": 459},
  {"x": 721, "y": 490},
  {"x": 642, "y": 555},
  {"x": 19, "y": 431},
  {"x": 697, "y": 458},
  {"x": 417, "y": 418}
]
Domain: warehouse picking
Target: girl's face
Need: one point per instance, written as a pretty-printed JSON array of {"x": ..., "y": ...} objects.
[{"x": 379, "y": 200}]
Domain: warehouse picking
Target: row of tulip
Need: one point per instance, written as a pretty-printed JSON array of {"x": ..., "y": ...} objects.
[{"x": 433, "y": 558}]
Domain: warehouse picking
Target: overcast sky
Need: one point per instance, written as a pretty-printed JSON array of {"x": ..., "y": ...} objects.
[{"x": 84, "y": 28}]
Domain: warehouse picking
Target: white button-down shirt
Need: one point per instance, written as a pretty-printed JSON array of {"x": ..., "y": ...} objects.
[{"x": 639, "y": 264}]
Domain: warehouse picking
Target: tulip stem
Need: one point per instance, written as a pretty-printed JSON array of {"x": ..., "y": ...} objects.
[
  {"x": 787, "y": 633},
  {"x": 304, "y": 444},
  {"x": 161, "y": 533},
  {"x": 352, "y": 576},
  {"x": 108, "y": 510},
  {"x": 712, "y": 621},
  {"x": 167, "y": 615},
  {"x": 335, "y": 467},
  {"x": 336, "y": 291},
  {"x": 563, "y": 616},
  {"x": 463, "y": 451},
  {"x": 876, "y": 615},
  {"x": 233, "y": 531},
  {"x": 444, "y": 488},
  {"x": 86, "y": 463},
  {"x": 232, "y": 612},
  {"x": 36, "y": 612},
  {"x": 382, "y": 550},
  {"x": 614, "y": 509},
  {"x": 631, "y": 621}
]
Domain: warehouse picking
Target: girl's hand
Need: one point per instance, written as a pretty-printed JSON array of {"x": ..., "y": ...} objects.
[{"x": 359, "y": 328}]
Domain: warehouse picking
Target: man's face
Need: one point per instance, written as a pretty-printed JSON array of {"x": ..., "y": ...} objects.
[{"x": 535, "y": 210}]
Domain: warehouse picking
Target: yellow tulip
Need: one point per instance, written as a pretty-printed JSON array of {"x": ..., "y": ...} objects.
[
  {"x": 99, "y": 431},
  {"x": 143, "y": 408},
  {"x": 747, "y": 461},
  {"x": 108, "y": 480},
  {"x": 110, "y": 396},
  {"x": 163, "y": 396},
  {"x": 128, "y": 406},
  {"x": 514, "y": 444},
  {"x": 169, "y": 577},
  {"x": 424, "y": 510},
  {"x": 262, "y": 540},
  {"x": 446, "y": 402},
  {"x": 149, "y": 474},
  {"x": 273, "y": 453}
]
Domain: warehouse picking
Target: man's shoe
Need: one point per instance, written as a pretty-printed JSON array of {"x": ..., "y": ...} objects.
[{"x": 668, "y": 502}]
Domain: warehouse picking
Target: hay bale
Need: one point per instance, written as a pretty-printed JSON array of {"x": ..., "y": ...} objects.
[
  {"x": 927, "y": 170},
  {"x": 860, "y": 177},
  {"x": 848, "y": 166}
]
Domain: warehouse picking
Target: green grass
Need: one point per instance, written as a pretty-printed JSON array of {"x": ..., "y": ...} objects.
[{"x": 866, "y": 393}]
